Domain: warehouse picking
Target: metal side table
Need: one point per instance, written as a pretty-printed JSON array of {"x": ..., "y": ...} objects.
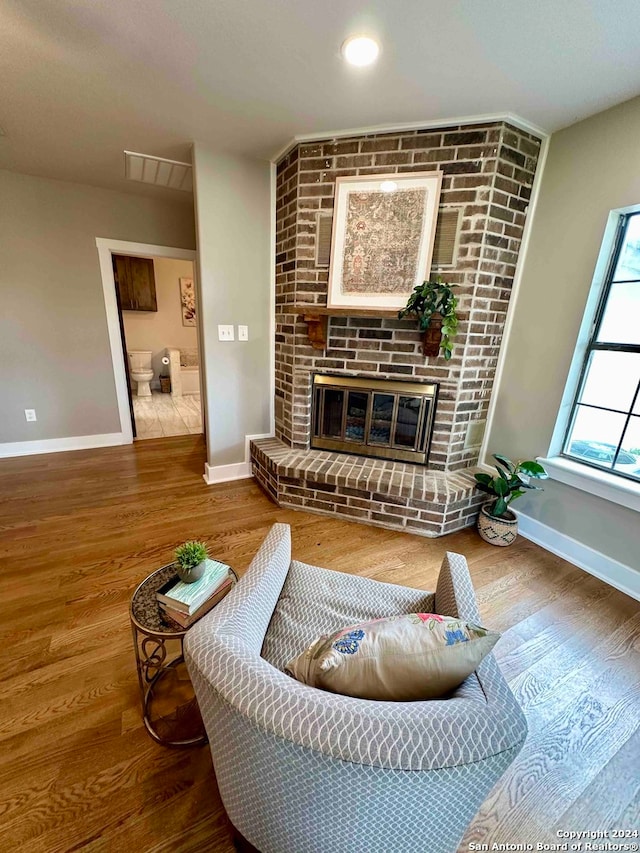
[{"x": 169, "y": 708}]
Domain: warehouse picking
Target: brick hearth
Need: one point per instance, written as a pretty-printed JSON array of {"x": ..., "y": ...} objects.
[
  {"x": 488, "y": 173},
  {"x": 396, "y": 495}
]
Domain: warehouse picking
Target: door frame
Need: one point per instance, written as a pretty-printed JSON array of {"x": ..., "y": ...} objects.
[{"x": 106, "y": 248}]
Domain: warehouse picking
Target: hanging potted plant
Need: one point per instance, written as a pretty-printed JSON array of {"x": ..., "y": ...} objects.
[
  {"x": 497, "y": 524},
  {"x": 434, "y": 306}
]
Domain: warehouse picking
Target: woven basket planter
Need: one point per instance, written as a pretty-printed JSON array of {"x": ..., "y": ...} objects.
[{"x": 497, "y": 531}]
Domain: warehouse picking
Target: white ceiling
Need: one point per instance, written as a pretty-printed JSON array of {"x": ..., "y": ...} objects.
[{"x": 82, "y": 80}]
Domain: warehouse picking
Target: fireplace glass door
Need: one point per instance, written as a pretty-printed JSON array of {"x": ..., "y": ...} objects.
[
  {"x": 332, "y": 413},
  {"x": 356, "y": 423},
  {"x": 408, "y": 421},
  {"x": 373, "y": 417},
  {"x": 382, "y": 419}
]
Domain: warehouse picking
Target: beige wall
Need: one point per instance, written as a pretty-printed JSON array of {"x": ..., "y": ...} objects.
[
  {"x": 233, "y": 205},
  {"x": 54, "y": 348},
  {"x": 157, "y": 330},
  {"x": 592, "y": 168}
]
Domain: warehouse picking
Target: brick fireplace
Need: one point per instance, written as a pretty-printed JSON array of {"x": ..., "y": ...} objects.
[{"x": 488, "y": 173}]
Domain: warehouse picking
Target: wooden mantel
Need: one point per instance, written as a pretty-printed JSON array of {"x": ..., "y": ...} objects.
[{"x": 316, "y": 318}]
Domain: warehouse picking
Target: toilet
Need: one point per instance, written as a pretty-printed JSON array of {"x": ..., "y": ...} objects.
[{"x": 141, "y": 372}]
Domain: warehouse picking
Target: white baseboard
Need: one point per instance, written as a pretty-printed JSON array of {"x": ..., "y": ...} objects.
[
  {"x": 235, "y": 470},
  {"x": 56, "y": 445},
  {"x": 605, "y": 568},
  {"x": 225, "y": 473}
]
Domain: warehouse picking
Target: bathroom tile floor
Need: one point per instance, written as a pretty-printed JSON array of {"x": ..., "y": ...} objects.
[{"x": 162, "y": 414}]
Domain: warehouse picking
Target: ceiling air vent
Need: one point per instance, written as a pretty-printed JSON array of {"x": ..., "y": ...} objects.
[
  {"x": 323, "y": 239},
  {"x": 445, "y": 246},
  {"x": 158, "y": 171}
]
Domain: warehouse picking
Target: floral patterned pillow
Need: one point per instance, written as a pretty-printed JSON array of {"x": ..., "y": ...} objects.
[{"x": 398, "y": 658}]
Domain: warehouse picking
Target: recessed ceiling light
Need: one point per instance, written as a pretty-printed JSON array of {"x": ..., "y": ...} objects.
[
  {"x": 388, "y": 186},
  {"x": 360, "y": 50}
]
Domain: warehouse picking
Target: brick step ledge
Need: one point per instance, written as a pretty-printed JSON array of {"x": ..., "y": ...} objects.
[{"x": 396, "y": 495}]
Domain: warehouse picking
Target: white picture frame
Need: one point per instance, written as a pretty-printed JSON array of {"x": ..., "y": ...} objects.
[{"x": 382, "y": 238}]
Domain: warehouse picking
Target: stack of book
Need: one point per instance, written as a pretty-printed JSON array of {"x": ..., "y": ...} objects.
[{"x": 185, "y": 603}]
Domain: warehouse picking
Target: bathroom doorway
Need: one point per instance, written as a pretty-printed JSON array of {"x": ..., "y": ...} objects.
[
  {"x": 157, "y": 304},
  {"x": 150, "y": 297},
  {"x": 126, "y": 390}
]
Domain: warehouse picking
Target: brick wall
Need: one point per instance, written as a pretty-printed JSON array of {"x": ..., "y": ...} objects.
[{"x": 488, "y": 172}]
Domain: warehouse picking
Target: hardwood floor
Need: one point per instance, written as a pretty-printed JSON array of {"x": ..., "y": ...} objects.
[{"x": 78, "y": 531}]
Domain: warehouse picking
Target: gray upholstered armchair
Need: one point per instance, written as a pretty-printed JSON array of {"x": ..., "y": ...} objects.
[{"x": 301, "y": 770}]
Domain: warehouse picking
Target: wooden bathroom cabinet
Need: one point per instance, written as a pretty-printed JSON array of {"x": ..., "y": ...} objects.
[{"x": 135, "y": 282}]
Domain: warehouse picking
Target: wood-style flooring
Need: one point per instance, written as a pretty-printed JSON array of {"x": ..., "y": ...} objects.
[{"x": 78, "y": 531}]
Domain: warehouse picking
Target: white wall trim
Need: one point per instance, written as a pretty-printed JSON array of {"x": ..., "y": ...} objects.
[
  {"x": 145, "y": 250},
  {"x": 272, "y": 305},
  {"x": 600, "y": 483},
  {"x": 435, "y": 123},
  {"x": 202, "y": 341},
  {"x": 235, "y": 470},
  {"x": 610, "y": 571},
  {"x": 56, "y": 445},
  {"x": 247, "y": 442},
  {"x": 106, "y": 247},
  {"x": 515, "y": 290}
]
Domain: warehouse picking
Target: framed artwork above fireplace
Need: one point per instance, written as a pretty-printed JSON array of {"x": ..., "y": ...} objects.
[{"x": 382, "y": 238}]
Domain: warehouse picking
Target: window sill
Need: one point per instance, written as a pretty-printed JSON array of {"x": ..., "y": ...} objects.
[{"x": 600, "y": 483}]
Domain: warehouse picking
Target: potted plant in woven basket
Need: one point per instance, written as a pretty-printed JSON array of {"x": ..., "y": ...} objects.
[
  {"x": 434, "y": 306},
  {"x": 497, "y": 523},
  {"x": 191, "y": 561}
]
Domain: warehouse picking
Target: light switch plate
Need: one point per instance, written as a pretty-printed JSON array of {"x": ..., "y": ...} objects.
[
  {"x": 243, "y": 333},
  {"x": 30, "y": 414},
  {"x": 225, "y": 333}
]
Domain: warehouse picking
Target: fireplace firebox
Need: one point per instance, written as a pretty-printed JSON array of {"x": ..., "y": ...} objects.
[{"x": 387, "y": 419}]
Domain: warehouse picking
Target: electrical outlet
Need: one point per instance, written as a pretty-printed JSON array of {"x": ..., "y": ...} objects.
[
  {"x": 243, "y": 333},
  {"x": 225, "y": 333},
  {"x": 30, "y": 414}
]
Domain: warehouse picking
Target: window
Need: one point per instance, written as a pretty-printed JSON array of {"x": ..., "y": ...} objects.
[{"x": 604, "y": 428}]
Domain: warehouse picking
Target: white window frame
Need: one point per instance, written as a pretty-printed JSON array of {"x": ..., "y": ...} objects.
[{"x": 605, "y": 485}]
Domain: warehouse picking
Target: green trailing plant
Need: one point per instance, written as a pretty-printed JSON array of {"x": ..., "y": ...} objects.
[
  {"x": 434, "y": 297},
  {"x": 513, "y": 479},
  {"x": 189, "y": 555}
]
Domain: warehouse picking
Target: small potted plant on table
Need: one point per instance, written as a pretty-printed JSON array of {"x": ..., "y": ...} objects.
[
  {"x": 191, "y": 561},
  {"x": 497, "y": 524},
  {"x": 434, "y": 305}
]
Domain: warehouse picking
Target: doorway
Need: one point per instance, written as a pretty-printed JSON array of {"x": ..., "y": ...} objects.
[{"x": 150, "y": 298}]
